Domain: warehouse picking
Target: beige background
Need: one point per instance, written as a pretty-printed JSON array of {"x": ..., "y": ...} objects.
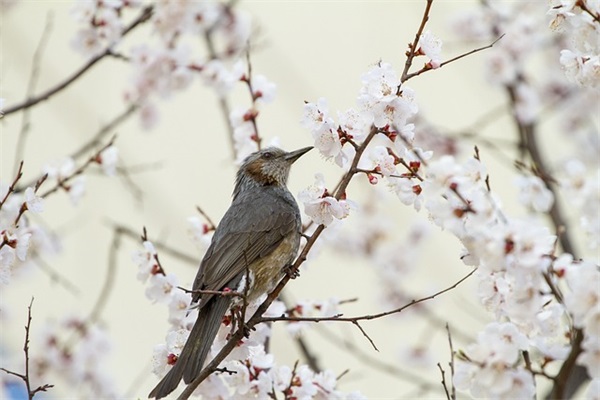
[{"x": 309, "y": 49}]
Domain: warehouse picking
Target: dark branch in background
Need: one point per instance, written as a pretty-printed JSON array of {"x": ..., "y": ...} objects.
[
  {"x": 309, "y": 356},
  {"x": 451, "y": 363},
  {"x": 25, "y": 377},
  {"x": 105, "y": 130},
  {"x": 54, "y": 275},
  {"x": 163, "y": 248},
  {"x": 33, "y": 79},
  {"x": 571, "y": 376},
  {"x": 95, "y": 141},
  {"x": 109, "y": 281},
  {"x": 30, "y": 102},
  {"x": 63, "y": 181}
]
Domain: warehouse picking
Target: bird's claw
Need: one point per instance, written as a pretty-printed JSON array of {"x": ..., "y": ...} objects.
[{"x": 292, "y": 271}]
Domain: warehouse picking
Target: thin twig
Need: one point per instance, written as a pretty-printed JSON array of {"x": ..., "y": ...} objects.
[
  {"x": 355, "y": 323},
  {"x": 453, "y": 392},
  {"x": 54, "y": 275},
  {"x": 12, "y": 186},
  {"x": 63, "y": 180},
  {"x": 368, "y": 317},
  {"x": 105, "y": 130},
  {"x": 160, "y": 246},
  {"x": 444, "y": 380},
  {"x": 254, "y": 96},
  {"x": 427, "y": 67},
  {"x": 25, "y": 377},
  {"x": 412, "y": 52},
  {"x": 211, "y": 224}
]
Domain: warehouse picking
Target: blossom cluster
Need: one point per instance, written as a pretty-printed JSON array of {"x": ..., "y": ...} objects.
[
  {"x": 77, "y": 352},
  {"x": 170, "y": 64},
  {"x": 579, "y": 21},
  {"x": 17, "y": 234}
]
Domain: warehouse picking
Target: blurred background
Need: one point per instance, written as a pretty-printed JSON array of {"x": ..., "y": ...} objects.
[{"x": 309, "y": 49}]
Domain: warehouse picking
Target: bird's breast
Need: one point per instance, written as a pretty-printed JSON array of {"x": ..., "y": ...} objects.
[{"x": 267, "y": 271}]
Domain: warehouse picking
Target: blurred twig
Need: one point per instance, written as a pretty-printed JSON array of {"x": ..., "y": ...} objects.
[
  {"x": 30, "y": 102},
  {"x": 33, "y": 79}
]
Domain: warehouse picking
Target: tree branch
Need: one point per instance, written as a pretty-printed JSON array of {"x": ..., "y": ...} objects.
[{"x": 143, "y": 17}]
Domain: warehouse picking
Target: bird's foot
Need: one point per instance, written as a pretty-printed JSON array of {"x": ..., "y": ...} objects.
[
  {"x": 291, "y": 271},
  {"x": 239, "y": 323}
]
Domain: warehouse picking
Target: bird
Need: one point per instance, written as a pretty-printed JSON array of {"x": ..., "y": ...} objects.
[{"x": 257, "y": 239}]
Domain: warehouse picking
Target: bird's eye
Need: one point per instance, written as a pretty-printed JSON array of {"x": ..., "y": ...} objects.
[{"x": 267, "y": 155}]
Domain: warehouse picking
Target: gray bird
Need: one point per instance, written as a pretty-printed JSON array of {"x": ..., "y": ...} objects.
[{"x": 260, "y": 232}]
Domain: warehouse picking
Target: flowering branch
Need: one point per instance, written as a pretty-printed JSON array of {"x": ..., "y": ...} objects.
[
  {"x": 412, "y": 48},
  {"x": 62, "y": 181},
  {"x": 12, "y": 186},
  {"x": 254, "y": 95},
  {"x": 428, "y": 67}
]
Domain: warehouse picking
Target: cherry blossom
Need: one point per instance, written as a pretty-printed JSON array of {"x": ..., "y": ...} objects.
[
  {"x": 108, "y": 160},
  {"x": 33, "y": 202},
  {"x": 161, "y": 287},
  {"x": 145, "y": 260},
  {"x": 431, "y": 46},
  {"x": 321, "y": 207}
]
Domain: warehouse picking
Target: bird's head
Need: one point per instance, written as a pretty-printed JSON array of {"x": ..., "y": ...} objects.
[{"x": 269, "y": 166}]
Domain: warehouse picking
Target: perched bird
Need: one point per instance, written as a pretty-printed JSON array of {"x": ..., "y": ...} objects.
[{"x": 258, "y": 237}]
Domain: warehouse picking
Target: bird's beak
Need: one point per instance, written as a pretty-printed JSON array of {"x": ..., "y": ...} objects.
[{"x": 296, "y": 154}]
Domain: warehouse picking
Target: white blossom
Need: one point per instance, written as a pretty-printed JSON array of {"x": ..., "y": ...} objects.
[
  {"x": 33, "y": 201},
  {"x": 161, "y": 287},
  {"x": 533, "y": 193},
  {"x": 431, "y": 46},
  {"x": 321, "y": 207},
  {"x": 108, "y": 160}
]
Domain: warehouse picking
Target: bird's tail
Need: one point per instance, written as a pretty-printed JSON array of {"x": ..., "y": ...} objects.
[{"x": 192, "y": 357}]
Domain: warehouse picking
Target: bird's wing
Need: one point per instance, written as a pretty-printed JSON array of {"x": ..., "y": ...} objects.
[{"x": 251, "y": 229}]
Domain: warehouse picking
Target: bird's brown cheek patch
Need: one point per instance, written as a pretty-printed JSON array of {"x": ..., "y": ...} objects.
[{"x": 255, "y": 171}]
